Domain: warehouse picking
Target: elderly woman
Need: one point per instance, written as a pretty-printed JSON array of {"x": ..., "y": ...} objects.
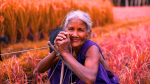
[{"x": 81, "y": 54}]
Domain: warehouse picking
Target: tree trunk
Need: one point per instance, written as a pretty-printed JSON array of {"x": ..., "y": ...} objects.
[
  {"x": 143, "y": 2},
  {"x": 139, "y": 2},
  {"x": 147, "y": 2},
  {"x": 135, "y": 3},
  {"x": 131, "y": 2},
  {"x": 119, "y": 1},
  {"x": 126, "y": 3}
]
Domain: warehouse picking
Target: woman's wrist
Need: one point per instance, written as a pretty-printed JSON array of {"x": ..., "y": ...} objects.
[
  {"x": 53, "y": 54},
  {"x": 65, "y": 55}
]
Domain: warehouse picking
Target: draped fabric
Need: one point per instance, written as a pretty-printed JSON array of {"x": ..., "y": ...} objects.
[{"x": 103, "y": 76}]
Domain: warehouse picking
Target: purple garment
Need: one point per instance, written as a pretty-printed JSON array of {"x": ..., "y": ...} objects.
[{"x": 103, "y": 76}]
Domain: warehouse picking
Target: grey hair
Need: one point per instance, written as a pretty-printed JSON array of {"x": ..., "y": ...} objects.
[{"x": 82, "y": 16}]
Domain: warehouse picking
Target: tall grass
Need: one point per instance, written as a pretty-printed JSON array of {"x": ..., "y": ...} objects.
[
  {"x": 33, "y": 20},
  {"x": 1, "y": 25},
  {"x": 19, "y": 69},
  {"x": 1, "y": 20},
  {"x": 128, "y": 55},
  {"x": 10, "y": 23},
  {"x": 22, "y": 13}
]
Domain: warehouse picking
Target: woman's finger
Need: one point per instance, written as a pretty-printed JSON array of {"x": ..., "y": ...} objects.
[
  {"x": 59, "y": 38},
  {"x": 61, "y": 35},
  {"x": 56, "y": 41},
  {"x": 66, "y": 34}
]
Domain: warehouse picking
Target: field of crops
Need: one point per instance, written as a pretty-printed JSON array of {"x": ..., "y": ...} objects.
[
  {"x": 124, "y": 39},
  {"x": 128, "y": 53},
  {"x": 34, "y": 20}
]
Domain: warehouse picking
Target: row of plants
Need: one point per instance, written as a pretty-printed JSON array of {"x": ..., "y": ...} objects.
[{"x": 34, "y": 20}]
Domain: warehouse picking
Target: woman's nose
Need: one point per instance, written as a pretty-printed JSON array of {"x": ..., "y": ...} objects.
[{"x": 75, "y": 34}]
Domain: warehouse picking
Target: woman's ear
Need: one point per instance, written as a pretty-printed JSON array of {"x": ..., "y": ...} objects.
[
  {"x": 89, "y": 34},
  {"x": 64, "y": 29}
]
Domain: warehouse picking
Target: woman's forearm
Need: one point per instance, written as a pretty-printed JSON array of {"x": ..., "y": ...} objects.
[
  {"x": 47, "y": 62},
  {"x": 85, "y": 74}
]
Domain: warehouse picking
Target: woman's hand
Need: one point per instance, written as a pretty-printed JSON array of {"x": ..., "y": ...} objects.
[{"x": 62, "y": 43}]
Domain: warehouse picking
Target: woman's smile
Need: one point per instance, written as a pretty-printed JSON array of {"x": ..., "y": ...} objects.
[{"x": 74, "y": 39}]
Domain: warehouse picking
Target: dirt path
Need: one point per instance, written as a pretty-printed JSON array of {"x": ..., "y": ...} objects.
[
  {"x": 128, "y": 13},
  {"x": 125, "y": 19}
]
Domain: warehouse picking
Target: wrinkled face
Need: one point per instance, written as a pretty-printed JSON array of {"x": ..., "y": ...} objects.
[{"x": 78, "y": 32}]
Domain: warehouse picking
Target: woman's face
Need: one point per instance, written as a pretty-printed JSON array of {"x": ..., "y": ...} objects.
[{"x": 78, "y": 32}]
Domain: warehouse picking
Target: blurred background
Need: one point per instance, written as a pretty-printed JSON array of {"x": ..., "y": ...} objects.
[{"x": 120, "y": 27}]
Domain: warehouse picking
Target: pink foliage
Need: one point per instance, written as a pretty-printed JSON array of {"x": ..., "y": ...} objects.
[{"x": 128, "y": 55}]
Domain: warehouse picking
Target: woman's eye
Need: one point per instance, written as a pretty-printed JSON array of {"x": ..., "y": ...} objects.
[
  {"x": 70, "y": 28},
  {"x": 81, "y": 30}
]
